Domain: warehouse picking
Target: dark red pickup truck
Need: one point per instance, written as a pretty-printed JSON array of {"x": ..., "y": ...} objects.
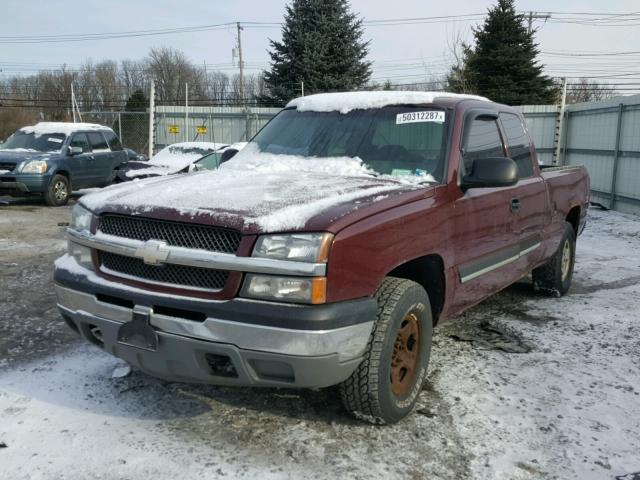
[{"x": 326, "y": 250}]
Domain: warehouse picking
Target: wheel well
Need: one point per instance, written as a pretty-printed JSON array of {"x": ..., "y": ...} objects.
[
  {"x": 573, "y": 217},
  {"x": 64, "y": 173},
  {"x": 428, "y": 271}
]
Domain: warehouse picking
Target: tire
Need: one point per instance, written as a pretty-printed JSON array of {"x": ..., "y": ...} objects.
[
  {"x": 113, "y": 178},
  {"x": 554, "y": 277},
  {"x": 401, "y": 335},
  {"x": 58, "y": 192}
]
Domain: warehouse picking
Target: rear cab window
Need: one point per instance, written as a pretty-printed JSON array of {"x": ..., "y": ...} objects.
[
  {"x": 518, "y": 142},
  {"x": 481, "y": 140}
]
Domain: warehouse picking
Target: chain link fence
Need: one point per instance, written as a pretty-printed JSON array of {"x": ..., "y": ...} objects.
[{"x": 131, "y": 127}]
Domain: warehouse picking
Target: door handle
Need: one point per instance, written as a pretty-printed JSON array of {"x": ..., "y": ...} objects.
[{"x": 515, "y": 204}]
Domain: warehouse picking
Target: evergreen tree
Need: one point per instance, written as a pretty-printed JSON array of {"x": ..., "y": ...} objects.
[
  {"x": 321, "y": 46},
  {"x": 135, "y": 126},
  {"x": 503, "y": 65},
  {"x": 137, "y": 102}
]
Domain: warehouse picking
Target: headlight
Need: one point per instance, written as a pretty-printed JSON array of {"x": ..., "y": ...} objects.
[
  {"x": 81, "y": 254},
  {"x": 303, "y": 247},
  {"x": 286, "y": 289},
  {"x": 80, "y": 218},
  {"x": 35, "y": 166}
]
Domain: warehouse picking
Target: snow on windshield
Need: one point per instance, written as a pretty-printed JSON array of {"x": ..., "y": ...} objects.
[
  {"x": 344, "y": 102},
  {"x": 252, "y": 159}
]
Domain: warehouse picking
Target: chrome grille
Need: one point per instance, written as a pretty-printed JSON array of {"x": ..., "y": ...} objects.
[
  {"x": 7, "y": 166},
  {"x": 174, "y": 275},
  {"x": 178, "y": 234}
]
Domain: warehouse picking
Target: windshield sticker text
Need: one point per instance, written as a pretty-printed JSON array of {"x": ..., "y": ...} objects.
[{"x": 425, "y": 116}]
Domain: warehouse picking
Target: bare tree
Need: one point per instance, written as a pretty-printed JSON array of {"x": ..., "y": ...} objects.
[
  {"x": 459, "y": 78},
  {"x": 585, "y": 90}
]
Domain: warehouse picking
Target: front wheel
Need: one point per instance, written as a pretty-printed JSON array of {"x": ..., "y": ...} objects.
[
  {"x": 385, "y": 386},
  {"x": 554, "y": 277},
  {"x": 58, "y": 192}
]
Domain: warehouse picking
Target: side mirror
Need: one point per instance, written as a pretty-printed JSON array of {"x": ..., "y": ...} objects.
[
  {"x": 491, "y": 172},
  {"x": 75, "y": 151},
  {"x": 228, "y": 154}
]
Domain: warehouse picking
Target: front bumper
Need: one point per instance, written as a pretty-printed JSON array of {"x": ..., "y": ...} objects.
[
  {"x": 18, "y": 184},
  {"x": 235, "y": 342}
]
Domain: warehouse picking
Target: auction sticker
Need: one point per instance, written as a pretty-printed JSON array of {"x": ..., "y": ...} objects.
[{"x": 424, "y": 116}]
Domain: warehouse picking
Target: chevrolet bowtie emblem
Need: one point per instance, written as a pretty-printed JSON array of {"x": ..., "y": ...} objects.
[{"x": 153, "y": 252}]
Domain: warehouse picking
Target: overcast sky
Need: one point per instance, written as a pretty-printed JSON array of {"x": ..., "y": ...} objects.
[{"x": 402, "y": 53}]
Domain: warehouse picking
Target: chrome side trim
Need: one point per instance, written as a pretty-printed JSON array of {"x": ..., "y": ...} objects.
[
  {"x": 476, "y": 273},
  {"x": 348, "y": 342},
  {"x": 163, "y": 253}
]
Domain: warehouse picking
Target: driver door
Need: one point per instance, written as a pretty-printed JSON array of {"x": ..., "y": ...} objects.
[
  {"x": 484, "y": 242},
  {"x": 79, "y": 165}
]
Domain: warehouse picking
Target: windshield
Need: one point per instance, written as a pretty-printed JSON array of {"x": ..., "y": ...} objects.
[
  {"x": 50, "y": 142},
  {"x": 397, "y": 141},
  {"x": 209, "y": 162}
]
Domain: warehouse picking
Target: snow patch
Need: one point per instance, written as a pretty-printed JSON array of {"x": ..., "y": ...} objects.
[
  {"x": 66, "y": 128},
  {"x": 344, "y": 102}
]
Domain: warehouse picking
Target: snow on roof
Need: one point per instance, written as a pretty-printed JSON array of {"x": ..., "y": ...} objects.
[
  {"x": 67, "y": 128},
  {"x": 344, "y": 102}
]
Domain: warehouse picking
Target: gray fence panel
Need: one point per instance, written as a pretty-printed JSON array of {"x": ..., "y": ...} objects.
[{"x": 602, "y": 136}]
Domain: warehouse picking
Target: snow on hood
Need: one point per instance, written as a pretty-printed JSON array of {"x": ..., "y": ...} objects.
[
  {"x": 66, "y": 128},
  {"x": 273, "y": 200},
  {"x": 344, "y": 102}
]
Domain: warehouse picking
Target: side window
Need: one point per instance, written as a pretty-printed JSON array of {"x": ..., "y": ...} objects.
[
  {"x": 519, "y": 144},
  {"x": 80, "y": 140},
  {"x": 113, "y": 141},
  {"x": 482, "y": 140},
  {"x": 98, "y": 143}
]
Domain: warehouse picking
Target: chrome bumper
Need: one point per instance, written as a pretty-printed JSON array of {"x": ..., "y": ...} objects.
[{"x": 346, "y": 342}]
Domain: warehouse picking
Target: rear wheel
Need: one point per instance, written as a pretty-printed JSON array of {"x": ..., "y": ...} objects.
[
  {"x": 554, "y": 277},
  {"x": 58, "y": 192},
  {"x": 385, "y": 386}
]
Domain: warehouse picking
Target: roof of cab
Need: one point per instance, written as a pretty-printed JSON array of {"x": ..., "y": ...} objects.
[{"x": 344, "y": 102}]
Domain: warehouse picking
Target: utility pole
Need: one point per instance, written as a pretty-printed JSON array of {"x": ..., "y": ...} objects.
[
  {"x": 241, "y": 64},
  {"x": 73, "y": 104},
  {"x": 186, "y": 112},
  {"x": 302, "y": 88},
  {"x": 152, "y": 108},
  {"x": 536, "y": 16}
]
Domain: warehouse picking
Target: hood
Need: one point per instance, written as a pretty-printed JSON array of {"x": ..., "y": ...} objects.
[
  {"x": 19, "y": 155},
  {"x": 253, "y": 201}
]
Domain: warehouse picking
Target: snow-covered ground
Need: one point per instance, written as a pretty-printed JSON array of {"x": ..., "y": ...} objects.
[{"x": 520, "y": 387}]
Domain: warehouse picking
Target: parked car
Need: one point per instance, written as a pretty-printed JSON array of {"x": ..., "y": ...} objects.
[
  {"x": 52, "y": 158},
  {"x": 175, "y": 158},
  {"x": 213, "y": 160},
  {"x": 132, "y": 155},
  {"x": 325, "y": 252}
]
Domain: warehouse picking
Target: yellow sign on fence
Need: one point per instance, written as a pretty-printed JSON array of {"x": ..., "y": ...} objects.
[
  {"x": 201, "y": 129},
  {"x": 174, "y": 129}
]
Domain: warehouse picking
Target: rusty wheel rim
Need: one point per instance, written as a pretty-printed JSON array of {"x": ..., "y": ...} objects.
[{"x": 406, "y": 355}]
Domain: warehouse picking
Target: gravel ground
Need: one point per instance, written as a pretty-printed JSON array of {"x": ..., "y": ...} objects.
[{"x": 520, "y": 387}]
